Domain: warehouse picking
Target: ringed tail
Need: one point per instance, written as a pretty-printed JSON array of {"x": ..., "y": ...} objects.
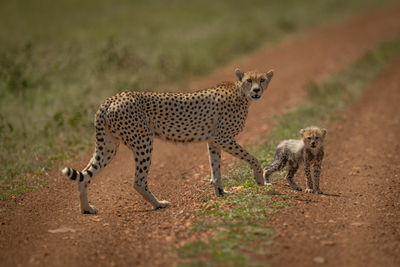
[
  {"x": 97, "y": 161},
  {"x": 77, "y": 175}
]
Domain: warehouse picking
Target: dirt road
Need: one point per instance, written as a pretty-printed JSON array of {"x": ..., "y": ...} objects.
[
  {"x": 126, "y": 231},
  {"x": 357, "y": 222}
]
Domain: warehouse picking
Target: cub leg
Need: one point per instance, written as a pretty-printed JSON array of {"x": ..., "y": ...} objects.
[
  {"x": 317, "y": 172},
  {"x": 309, "y": 188},
  {"x": 279, "y": 162},
  {"x": 289, "y": 177},
  {"x": 233, "y": 148},
  {"x": 214, "y": 155}
]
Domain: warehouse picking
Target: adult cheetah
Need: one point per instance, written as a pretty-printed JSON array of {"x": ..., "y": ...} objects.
[{"x": 214, "y": 115}]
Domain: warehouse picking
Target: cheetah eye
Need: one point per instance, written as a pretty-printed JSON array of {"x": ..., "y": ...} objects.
[
  {"x": 309, "y": 138},
  {"x": 262, "y": 80},
  {"x": 316, "y": 138},
  {"x": 249, "y": 80}
]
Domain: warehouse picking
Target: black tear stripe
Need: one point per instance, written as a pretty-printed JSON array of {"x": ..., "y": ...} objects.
[
  {"x": 94, "y": 166},
  {"x": 81, "y": 176},
  {"x": 74, "y": 174},
  {"x": 90, "y": 173}
]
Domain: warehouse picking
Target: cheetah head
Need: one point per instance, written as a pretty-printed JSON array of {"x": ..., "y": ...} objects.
[
  {"x": 313, "y": 137},
  {"x": 253, "y": 84}
]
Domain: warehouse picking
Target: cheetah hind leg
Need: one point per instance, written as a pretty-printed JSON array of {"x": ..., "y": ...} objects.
[
  {"x": 86, "y": 208},
  {"x": 106, "y": 148},
  {"x": 142, "y": 162},
  {"x": 279, "y": 162},
  {"x": 289, "y": 177},
  {"x": 276, "y": 165}
]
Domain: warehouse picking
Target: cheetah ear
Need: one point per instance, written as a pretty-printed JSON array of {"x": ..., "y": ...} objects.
[
  {"x": 323, "y": 132},
  {"x": 301, "y": 132},
  {"x": 239, "y": 74},
  {"x": 270, "y": 74}
]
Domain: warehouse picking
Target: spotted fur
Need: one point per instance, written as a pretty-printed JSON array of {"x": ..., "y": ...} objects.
[
  {"x": 213, "y": 115},
  {"x": 308, "y": 151}
]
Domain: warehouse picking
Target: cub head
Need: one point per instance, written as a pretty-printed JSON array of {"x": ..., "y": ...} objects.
[
  {"x": 313, "y": 137},
  {"x": 253, "y": 84}
]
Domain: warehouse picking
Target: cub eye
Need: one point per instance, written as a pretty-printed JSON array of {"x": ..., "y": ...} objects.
[
  {"x": 249, "y": 80},
  {"x": 316, "y": 138},
  {"x": 309, "y": 138},
  {"x": 262, "y": 80}
]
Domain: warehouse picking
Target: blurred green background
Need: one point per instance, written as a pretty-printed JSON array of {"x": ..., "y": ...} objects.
[{"x": 60, "y": 59}]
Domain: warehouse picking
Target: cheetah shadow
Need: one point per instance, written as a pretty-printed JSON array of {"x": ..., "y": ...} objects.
[
  {"x": 302, "y": 196},
  {"x": 306, "y": 197},
  {"x": 145, "y": 210},
  {"x": 331, "y": 195}
]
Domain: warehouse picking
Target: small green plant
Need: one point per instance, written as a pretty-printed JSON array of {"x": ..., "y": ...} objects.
[{"x": 22, "y": 184}]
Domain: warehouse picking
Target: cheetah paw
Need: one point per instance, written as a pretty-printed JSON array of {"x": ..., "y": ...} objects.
[
  {"x": 268, "y": 184},
  {"x": 162, "y": 204},
  {"x": 297, "y": 188},
  {"x": 309, "y": 190},
  {"x": 219, "y": 192},
  {"x": 89, "y": 210},
  {"x": 318, "y": 191},
  {"x": 223, "y": 193}
]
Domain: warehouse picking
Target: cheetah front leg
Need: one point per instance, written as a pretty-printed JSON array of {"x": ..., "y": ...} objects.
[
  {"x": 214, "y": 155},
  {"x": 309, "y": 188},
  {"x": 142, "y": 161},
  {"x": 233, "y": 148},
  {"x": 317, "y": 172}
]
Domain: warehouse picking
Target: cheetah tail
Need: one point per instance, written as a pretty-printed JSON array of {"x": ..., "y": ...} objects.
[
  {"x": 104, "y": 151},
  {"x": 73, "y": 174}
]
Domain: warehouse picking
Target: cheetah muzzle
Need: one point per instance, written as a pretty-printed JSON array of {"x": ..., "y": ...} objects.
[{"x": 214, "y": 115}]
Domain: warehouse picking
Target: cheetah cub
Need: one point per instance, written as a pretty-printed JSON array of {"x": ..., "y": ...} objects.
[{"x": 309, "y": 150}]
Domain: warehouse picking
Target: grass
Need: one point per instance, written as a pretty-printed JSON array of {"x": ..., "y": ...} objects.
[
  {"x": 60, "y": 59},
  {"x": 239, "y": 222},
  {"x": 23, "y": 184}
]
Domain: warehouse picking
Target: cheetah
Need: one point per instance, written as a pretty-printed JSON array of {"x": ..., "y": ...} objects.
[
  {"x": 214, "y": 115},
  {"x": 309, "y": 151}
]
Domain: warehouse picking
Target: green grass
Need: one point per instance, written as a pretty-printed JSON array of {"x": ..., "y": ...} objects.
[
  {"x": 23, "y": 184},
  {"x": 240, "y": 220},
  {"x": 60, "y": 59}
]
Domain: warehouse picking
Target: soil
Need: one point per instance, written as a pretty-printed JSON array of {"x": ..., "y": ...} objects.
[{"x": 353, "y": 224}]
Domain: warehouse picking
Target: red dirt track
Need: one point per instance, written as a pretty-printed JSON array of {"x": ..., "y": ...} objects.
[
  {"x": 357, "y": 222},
  {"x": 361, "y": 167}
]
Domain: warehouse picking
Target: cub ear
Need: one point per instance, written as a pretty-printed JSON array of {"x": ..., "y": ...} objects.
[
  {"x": 239, "y": 74},
  {"x": 301, "y": 132},
  {"x": 323, "y": 130},
  {"x": 270, "y": 74}
]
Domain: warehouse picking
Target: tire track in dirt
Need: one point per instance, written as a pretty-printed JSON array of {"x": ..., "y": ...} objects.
[
  {"x": 357, "y": 223},
  {"x": 126, "y": 232}
]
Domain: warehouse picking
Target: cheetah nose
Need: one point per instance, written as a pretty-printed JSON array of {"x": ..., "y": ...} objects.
[{"x": 256, "y": 90}]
